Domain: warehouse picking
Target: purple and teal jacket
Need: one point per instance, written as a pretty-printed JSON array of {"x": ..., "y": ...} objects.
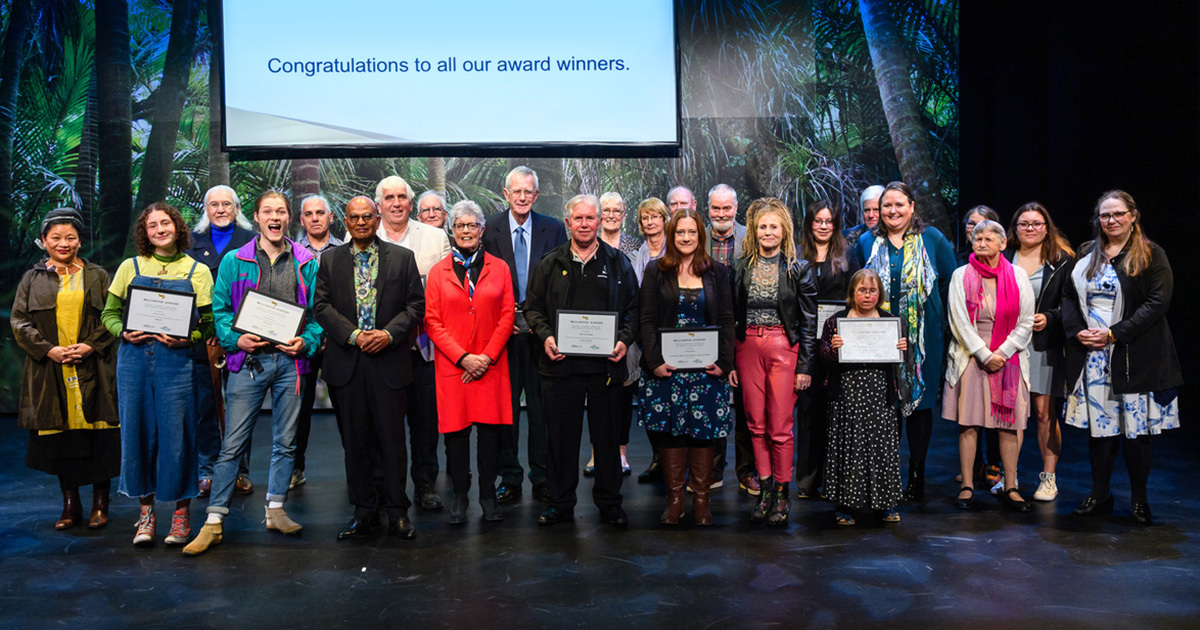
[{"x": 239, "y": 272}]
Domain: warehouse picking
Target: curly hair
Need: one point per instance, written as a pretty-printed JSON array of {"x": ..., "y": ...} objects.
[{"x": 183, "y": 238}]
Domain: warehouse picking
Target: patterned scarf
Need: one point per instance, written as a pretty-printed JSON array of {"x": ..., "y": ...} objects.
[
  {"x": 466, "y": 262},
  {"x": 1004, "y": 383},
  {"x": 917, "y": 280}
]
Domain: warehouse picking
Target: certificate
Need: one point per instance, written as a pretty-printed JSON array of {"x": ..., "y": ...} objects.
[
  {"x": 155, "y": 310},
  {"x": 586, "y": 333},
  {"x": 689, "y": 349},
  {"x": 272, "y": 319},
  {"x": 825, "y": 310},
  {"x": 869, "y": 340}
]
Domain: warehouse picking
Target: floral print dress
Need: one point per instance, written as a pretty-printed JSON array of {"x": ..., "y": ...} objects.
[
  {"x": 1092, "y": 404},
  {"x": 691, "y": 404}
]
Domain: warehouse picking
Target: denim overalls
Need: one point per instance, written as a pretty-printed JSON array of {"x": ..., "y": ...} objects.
[{"x": 158, "y": 420}]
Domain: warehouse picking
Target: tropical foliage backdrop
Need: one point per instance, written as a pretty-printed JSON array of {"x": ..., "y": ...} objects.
[{"x": 105, "y": 105}]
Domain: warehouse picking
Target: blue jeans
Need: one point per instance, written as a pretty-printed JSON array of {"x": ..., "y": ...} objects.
[
  {"x": 158, "y": 421},
  {"x": 208, "y": 429},
  {"x": 244, "y": 395}
]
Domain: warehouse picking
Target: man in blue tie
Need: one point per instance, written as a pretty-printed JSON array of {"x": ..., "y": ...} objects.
[{"x": 521, "y": 237}]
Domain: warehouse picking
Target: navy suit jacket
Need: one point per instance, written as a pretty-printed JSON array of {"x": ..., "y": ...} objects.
[
  {"x": 545, "y": 235},
  {"x": 203, "y": 251}
]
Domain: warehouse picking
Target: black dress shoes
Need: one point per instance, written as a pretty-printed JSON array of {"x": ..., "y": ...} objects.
[
  {"x": 508, "y": 494},
  {"x": 1092, "y": 505},
  {"x": 541, "y": 492},
  {"x": 965, "y": 503},
  {"x": 401, "y": 527},
  {"x": 428, "y": 497},
  {"x": 1006, "y": 498},
  {"x": 1141, "y": 514},
  {"x": 554, "y": 516},
  {"x": 614, "y": 515},
  {"x": 358, "y": 528},
  {"x": 458, "y": 509}
]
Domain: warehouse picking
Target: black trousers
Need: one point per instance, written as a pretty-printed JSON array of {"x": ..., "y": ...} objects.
[
  {"x": 487, "y": 458},
  {"x": 567, "y": 396},
  {"x": 371, "y": 422},
  {"x": 812, "y": 438},
  {"x": 422, "y": 421},
  {"x": 743, "y": 451},
  {"x": 308, "y": 398},
  {"x": 523, "y": 375}
]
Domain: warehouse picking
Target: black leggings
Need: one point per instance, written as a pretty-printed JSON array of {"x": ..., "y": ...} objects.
[
  {"x": 99, "y": 486},
  {"x": 920, "y": 428},
  {"x": 487, "y": 456},
  {"x": 1138, "y": 457}
]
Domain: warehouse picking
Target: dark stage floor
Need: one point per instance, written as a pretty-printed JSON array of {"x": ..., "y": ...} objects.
[{"x": 938, "y": 568}]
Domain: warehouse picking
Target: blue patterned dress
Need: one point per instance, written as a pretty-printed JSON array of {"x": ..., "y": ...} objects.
[
  {"x": 691, "y": 404},
  {"x": 1092, "y": 404}
]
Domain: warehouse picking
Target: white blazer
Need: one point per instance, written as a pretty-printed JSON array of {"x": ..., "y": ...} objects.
[
  {"x": 428, "y": 244},
  {"x": 965, "y": 342}
]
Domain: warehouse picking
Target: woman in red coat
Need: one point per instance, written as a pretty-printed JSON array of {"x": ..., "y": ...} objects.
[{"x": 469, "y": 312}]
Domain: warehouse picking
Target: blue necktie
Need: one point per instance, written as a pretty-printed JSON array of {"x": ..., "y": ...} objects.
[{"x": 521, "y": 253}]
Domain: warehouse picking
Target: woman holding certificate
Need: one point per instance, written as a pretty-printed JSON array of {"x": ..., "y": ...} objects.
[
  {"x": 862, "y": 469},
  {"x": 67, "y": 400},
  {"x": 1048, "y": 260},
  {"x": 686, "y": 410},
  {"x": 775, "y": 310},
  {"x": 915, "y": 262},
  {"x": 469, "y": 313},
  {"x": 1121, "y": 363},
  {"x": 154, "y": 370},
  {"x": 822, "y": 245},
  {"x": 987, "y": 366}
]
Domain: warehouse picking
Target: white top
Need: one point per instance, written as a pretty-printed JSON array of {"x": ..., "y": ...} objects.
[{"x": 965, "y": 341}]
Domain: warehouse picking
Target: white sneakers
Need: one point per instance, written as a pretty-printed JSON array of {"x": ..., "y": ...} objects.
[{"x": 1047, "y": 489}]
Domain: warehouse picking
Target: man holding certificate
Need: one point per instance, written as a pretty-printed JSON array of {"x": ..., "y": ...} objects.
[
  {"x": 262, "y": 307},
  {"x": 582, "y": 305}
]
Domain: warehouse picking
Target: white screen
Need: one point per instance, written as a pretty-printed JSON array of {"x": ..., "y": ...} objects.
[{"x": 316, "y": 73}]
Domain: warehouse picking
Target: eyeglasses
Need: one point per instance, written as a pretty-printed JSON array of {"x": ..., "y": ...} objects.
[
  {"x": 431, "y": 211},
  {"x": 220, "y": 204},
  {"x": 467, "y": 227},
  {"x": 611, "y": 212},
  {"x": 823, "y": 222},
  {"x": 867, "y": 291},
  {"x": 360, "y": 218},
  {"x": 1031, "y": 226},
  {"x": 970, "y": 224},
  {"x": 1114, "y": 217}
]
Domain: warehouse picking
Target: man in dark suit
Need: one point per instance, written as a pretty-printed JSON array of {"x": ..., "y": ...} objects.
[
  {"x": 222, "y": 228},
  {"x": 368, "y": 298},
  {"x": 521, "y": 237}
]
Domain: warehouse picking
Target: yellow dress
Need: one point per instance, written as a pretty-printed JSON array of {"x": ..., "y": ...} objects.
[{"x": 68, "y": 312}]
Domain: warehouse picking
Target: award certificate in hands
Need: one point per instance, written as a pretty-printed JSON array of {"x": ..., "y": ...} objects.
[
  {"x": 869, "y": 340},
  {"x": 163, "y": 311},
  {"x": 586, "y": 333},
  {"x": 271, "y": 319}
]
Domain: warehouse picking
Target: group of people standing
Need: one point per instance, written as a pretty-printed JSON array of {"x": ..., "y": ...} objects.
[{"x": 450, "y": 323}]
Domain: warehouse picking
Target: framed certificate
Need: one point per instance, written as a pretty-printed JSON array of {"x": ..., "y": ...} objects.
[
  {"x": 825, "y": 310},
  {"x": 272, "y": 319},
  {"x": 586, "y": 333},
  {"x": 154, "y": 310},
  {"x": 689, "y": 349},
  {"x": 869, "y": 340}
]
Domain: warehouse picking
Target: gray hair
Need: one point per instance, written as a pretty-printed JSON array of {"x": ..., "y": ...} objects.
[
  {"x": 466, "y": 206},
  {"x": 677, "y": 189},
  {"x": 722, "y": 189},
  {"x": 869, "y": 193},
  {"x": 612, "y": 196},
  {"x": 391, "y": 181},
  {"x": 238, "y": 218},
  {"x": 578, "y": 200},
  {"x": 988, "y": 225},
  {"x": 320, "y": 198},
  {"x": 521, "y": 170},
  {"x": 428, "y": 193}
]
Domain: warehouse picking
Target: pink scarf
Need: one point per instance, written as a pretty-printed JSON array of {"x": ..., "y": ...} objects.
[{"x": 1004, "y": 383}]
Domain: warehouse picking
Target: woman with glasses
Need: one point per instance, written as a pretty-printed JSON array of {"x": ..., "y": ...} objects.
[
  {"x": 1047, "y": 259},
  {"x": 915, "y": 263},
  {"x": 987, "y": 363},
  {"x": 1121, "y": 362},
  {"x": 469, "y": 312},
  {"x": 822, "y": 245}
]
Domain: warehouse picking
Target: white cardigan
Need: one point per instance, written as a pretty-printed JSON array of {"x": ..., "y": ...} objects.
[{"x": 966, "y": 343}]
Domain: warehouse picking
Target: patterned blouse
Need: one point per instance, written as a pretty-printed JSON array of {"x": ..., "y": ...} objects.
[{"x": 762, "y": 304}]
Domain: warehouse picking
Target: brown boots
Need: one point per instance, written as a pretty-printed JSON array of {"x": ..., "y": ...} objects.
[
  {"x": 100, "y": 501},
  {"x": 72, "y": 513},
  {"x": 676, "y": 464}
]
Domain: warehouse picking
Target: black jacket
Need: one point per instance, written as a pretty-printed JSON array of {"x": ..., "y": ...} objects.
[
  {"x": 797, "y": 306},
  {"x": 660, "y": 309},
  {"x": 1143, "y": 358},
  {"x": 1049, "y": 302},
  {"x": 550, "y": 289},
  {"x": 399, "y": 306},
  {"x": 203, "y": 251}
]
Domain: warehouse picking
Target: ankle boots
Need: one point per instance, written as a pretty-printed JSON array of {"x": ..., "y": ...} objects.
[{"x": 72, "y": 513}]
